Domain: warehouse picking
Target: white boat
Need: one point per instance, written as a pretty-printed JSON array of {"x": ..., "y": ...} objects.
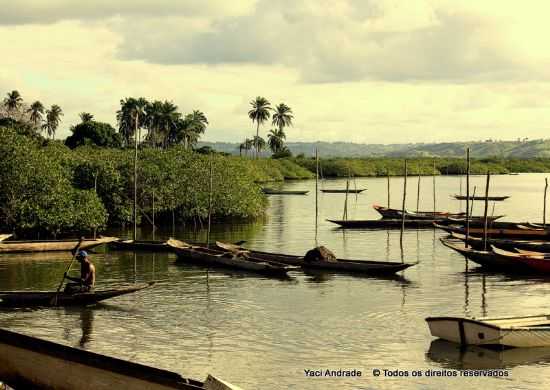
[
  {"x": 528, "y": 331},
  {"x": 4, "y": 236}
]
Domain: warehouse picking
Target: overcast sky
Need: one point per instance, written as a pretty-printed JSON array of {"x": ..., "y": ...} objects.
[{"x": 375, "y": 71}]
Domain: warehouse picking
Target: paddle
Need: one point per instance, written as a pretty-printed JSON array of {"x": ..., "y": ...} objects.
[{"x": 75, "y": 252}]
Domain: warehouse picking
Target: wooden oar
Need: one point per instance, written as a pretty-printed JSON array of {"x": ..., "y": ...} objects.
[{"x": 75, "y": 252}]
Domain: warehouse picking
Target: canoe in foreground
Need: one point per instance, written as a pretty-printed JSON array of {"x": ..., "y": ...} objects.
[
  {"x": 140, "y": 245},
  {"x": 4, "y": 236},
  {"x": 530, "y": 331},
  {"x": 47, "y": 298},
  {"x": 51, "y": 245},
  {"x": 490, "y": 198},
  {"x": 32, "y": 363},
  {"x": 271, "y": 191},
  {"x": 350, "y": 191},
  {"x": 519, "y": 232},
  {"x": 219, "y": 258},
  {"x": 341, "y": 265},
  {"x": 538, "y": 262},
  {"x": 380, "y": 223}
]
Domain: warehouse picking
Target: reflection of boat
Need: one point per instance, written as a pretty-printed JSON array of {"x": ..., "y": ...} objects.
[
  {"x": 341, "y": 265},
  {"x": 271, "y": 191},
  {"x": 28, "y": 362},
  {"x": 143, "y": 245},
  {"x": 51, "y": 245},
  {"x": 527, "y": 331},
  {"x": 48, "y": 298},
  {"x": 219, "y": 258},
  {"x": 473, "y": 357},
  {"x": 430, "y": 215},
  {"x": 4, "y": 236},
  {"x": 491, "y": 198},
  {"x": 350, "y": 191}
]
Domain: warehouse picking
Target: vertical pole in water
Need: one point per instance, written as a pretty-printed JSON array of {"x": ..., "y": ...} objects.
[
  {"x": 472, "y": 206},
  {"x": 467, "y": 196},
  {"x": 346, "y": 202},
  {"x": 154, "y": 214},
  {"x": 403, "y": 206},
  {"x": 485, "y": 212},
  {"x": 418, "y": 194},
  {"x": 135, "y": 175},
  {"x": 434, "y": 187},
  {"x": 316, "y": 192},
  {"x": 209, "y": 204},
  {"x": 544, "y": 206},
  {"x": 388, "y": 173}
]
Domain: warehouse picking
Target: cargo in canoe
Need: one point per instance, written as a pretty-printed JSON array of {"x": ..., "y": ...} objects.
[
  {"x": 339, "y": 191},
  {"x": 212, "y": 257},
  {"x": 51, "y": 245},
  {"x": 341, "y": 265},
  {"x": 47, "y": 298},
  {"x": 31, "y": 363}
]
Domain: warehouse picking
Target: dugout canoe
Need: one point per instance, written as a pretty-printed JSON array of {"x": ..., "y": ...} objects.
[
  {"x": 140, "y": 245},
  {"x": 339, "y": 191},
  {"x": 526, "y": 331},
  {"x": 51, "y": 245},
  {"x": 503, "y": 243},
  {"x": 271, "y": 191},
  {"x": 519, "y": 232},
  {"x": 390, "y": 213},
  {"x": 380, "y": 223},
  {"x": 31, "y": 363},
  {"x": 341, "y": 265},
  {"x": 47, "y": 298},
  {"x": 4, "y": 236},
  {"x": 538, "y": 262},
  {"x": 489, "y": 198},
  {"x": 212, "y": 257}
]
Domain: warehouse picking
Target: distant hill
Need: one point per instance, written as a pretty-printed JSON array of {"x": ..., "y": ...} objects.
[{"x": 507, "y": 149}]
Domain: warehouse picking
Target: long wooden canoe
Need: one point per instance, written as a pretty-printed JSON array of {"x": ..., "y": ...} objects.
[
  {"x": 46, "y": 298},
  {"x": 31, "y": 363},
  {"x": 527, "y": 331},
  {"x": 140, "y": 245},
  {"x": 538, "y": 262},
  {"x": 212, "y": 257},
  {"x": 51, "y": 245},
  {"x": 430, "y": 215},
  {"x": 271, "y": 191},
  {"x": 510, "y": 244},
  {"x": 380, "y": 223},
  {"x": 339, "y": 191},
  {"x": 519, "y": 232},
  {"x": 4, "y": 236},
  {"x": 490, "y": 198},
  {"x": 341, "y": 265}
]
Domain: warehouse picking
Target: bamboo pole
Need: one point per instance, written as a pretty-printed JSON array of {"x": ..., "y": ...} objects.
[
  {"x": 433, "y": 185},
  {"x": 209, "y": 204},
  {"x": 418, "y": 195},
  {"x": 544, "y": 205},
  {"x": 485, "y": 212},
  {"x": 135, "y": 175},
  {"x": 388, "y": 175},
  {"x": 467, "y": 196},
  {"x": 404, "y": 200},
  {"x": 316, "y": 192},
  {"x": 345, "y": 217},
  {"x": 472, "y": 206},
  {"x": 154, "y": 214}
]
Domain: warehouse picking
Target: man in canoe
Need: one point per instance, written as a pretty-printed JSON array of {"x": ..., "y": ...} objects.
[{"x": 86, "y": 281}]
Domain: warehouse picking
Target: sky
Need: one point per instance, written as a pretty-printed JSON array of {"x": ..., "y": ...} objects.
[{"x": 367, "y": 71}]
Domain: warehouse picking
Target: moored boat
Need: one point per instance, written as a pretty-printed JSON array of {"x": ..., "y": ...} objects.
[
  {"x": 518, "y": 232},
  {"x": 430, "y": 215},
  {"x": 538, "y": 262},
  {"x": 489, "y": 198},
  {"x": 31, "y": 363},
  {"x": 4, "y": 236},
  {"x": 380, "y": 223},
  {"x": 271, "y": 191},
  {"x": 503, "y": 243},
  {"x": 52, "y": 298},
  {"x": 340, "y": 265},
  {"x": 140, "y": 245},
  {"x": 527, "y": 331},
  {"x": 344, "y": 191},
  {"x": 51, "y": 245},
  {"x": 212, "y": 257}
]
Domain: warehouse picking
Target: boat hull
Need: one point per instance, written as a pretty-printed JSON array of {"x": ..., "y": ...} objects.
[
  {"x": 517, "y": 233},
  {"x": 53, "y": 245},
  {"x": 140, "y": 245},
  {"x": 343, "y": 191},
  {"x": 381, "y": 223}
]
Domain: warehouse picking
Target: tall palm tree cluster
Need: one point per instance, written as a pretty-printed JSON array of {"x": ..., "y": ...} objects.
[
  {"x": 260, "y": 113},
  {"x": 36, "y": 114},
  {"x": 164, "y": 125}
]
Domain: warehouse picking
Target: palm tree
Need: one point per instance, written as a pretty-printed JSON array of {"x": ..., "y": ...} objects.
[
  {"x": 36, "y": 111},
  {"x": 153, "y": 113},
  {"x": 275, "y": 140},
  {"x": 13, "y": 101},
  {"x": 259, "y": 144},
  {"x": 86, "y": 117},
  {"x": 259, "y": 114},
  {"x": 167, "y": 120},
  {"x": 53, "y": 117},
  {"x": 282, "y": 117},
  {"x": 131, "y": 117}
]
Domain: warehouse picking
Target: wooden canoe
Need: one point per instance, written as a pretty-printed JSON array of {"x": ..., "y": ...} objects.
[
  {"x": 271, "y": 191},
  {"x": 46, "y": 298},
  {"x": 527, "y": 331},
  {"x": 380, "y": 223},
  {"x": 4, "y": 236},
  {"x": 51, "y": 245},
  {"x": 510, "y": 244},
  {"x": 519, "y": 232},
  {"x": 430, "y": 215},
  {"x": 140, "y": 245},
  {"x": 31, "y": 363},
  {"x": 489, "y": 198},
  {"x": 212, "y": 257},
  {"x": 339, "y": 191},
  {"x": 487, "y": 259},
  {"x": 538, "y": 262},
  {"x": 341, "y": 265}
]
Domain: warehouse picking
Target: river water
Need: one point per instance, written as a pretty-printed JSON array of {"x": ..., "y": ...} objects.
[{"x": 262, "y": 333}]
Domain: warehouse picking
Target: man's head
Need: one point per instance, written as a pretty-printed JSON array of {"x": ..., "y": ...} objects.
[{"x": 81, "y": 256}]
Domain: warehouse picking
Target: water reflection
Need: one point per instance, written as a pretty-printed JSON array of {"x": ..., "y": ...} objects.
[{"x": 454, "y": 356}]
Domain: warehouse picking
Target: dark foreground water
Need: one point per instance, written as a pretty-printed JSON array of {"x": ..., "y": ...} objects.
[{"x": 262, "y": 334}]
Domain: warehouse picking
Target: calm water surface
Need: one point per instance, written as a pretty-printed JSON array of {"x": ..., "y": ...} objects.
[{"x": 261, "y": 333}]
